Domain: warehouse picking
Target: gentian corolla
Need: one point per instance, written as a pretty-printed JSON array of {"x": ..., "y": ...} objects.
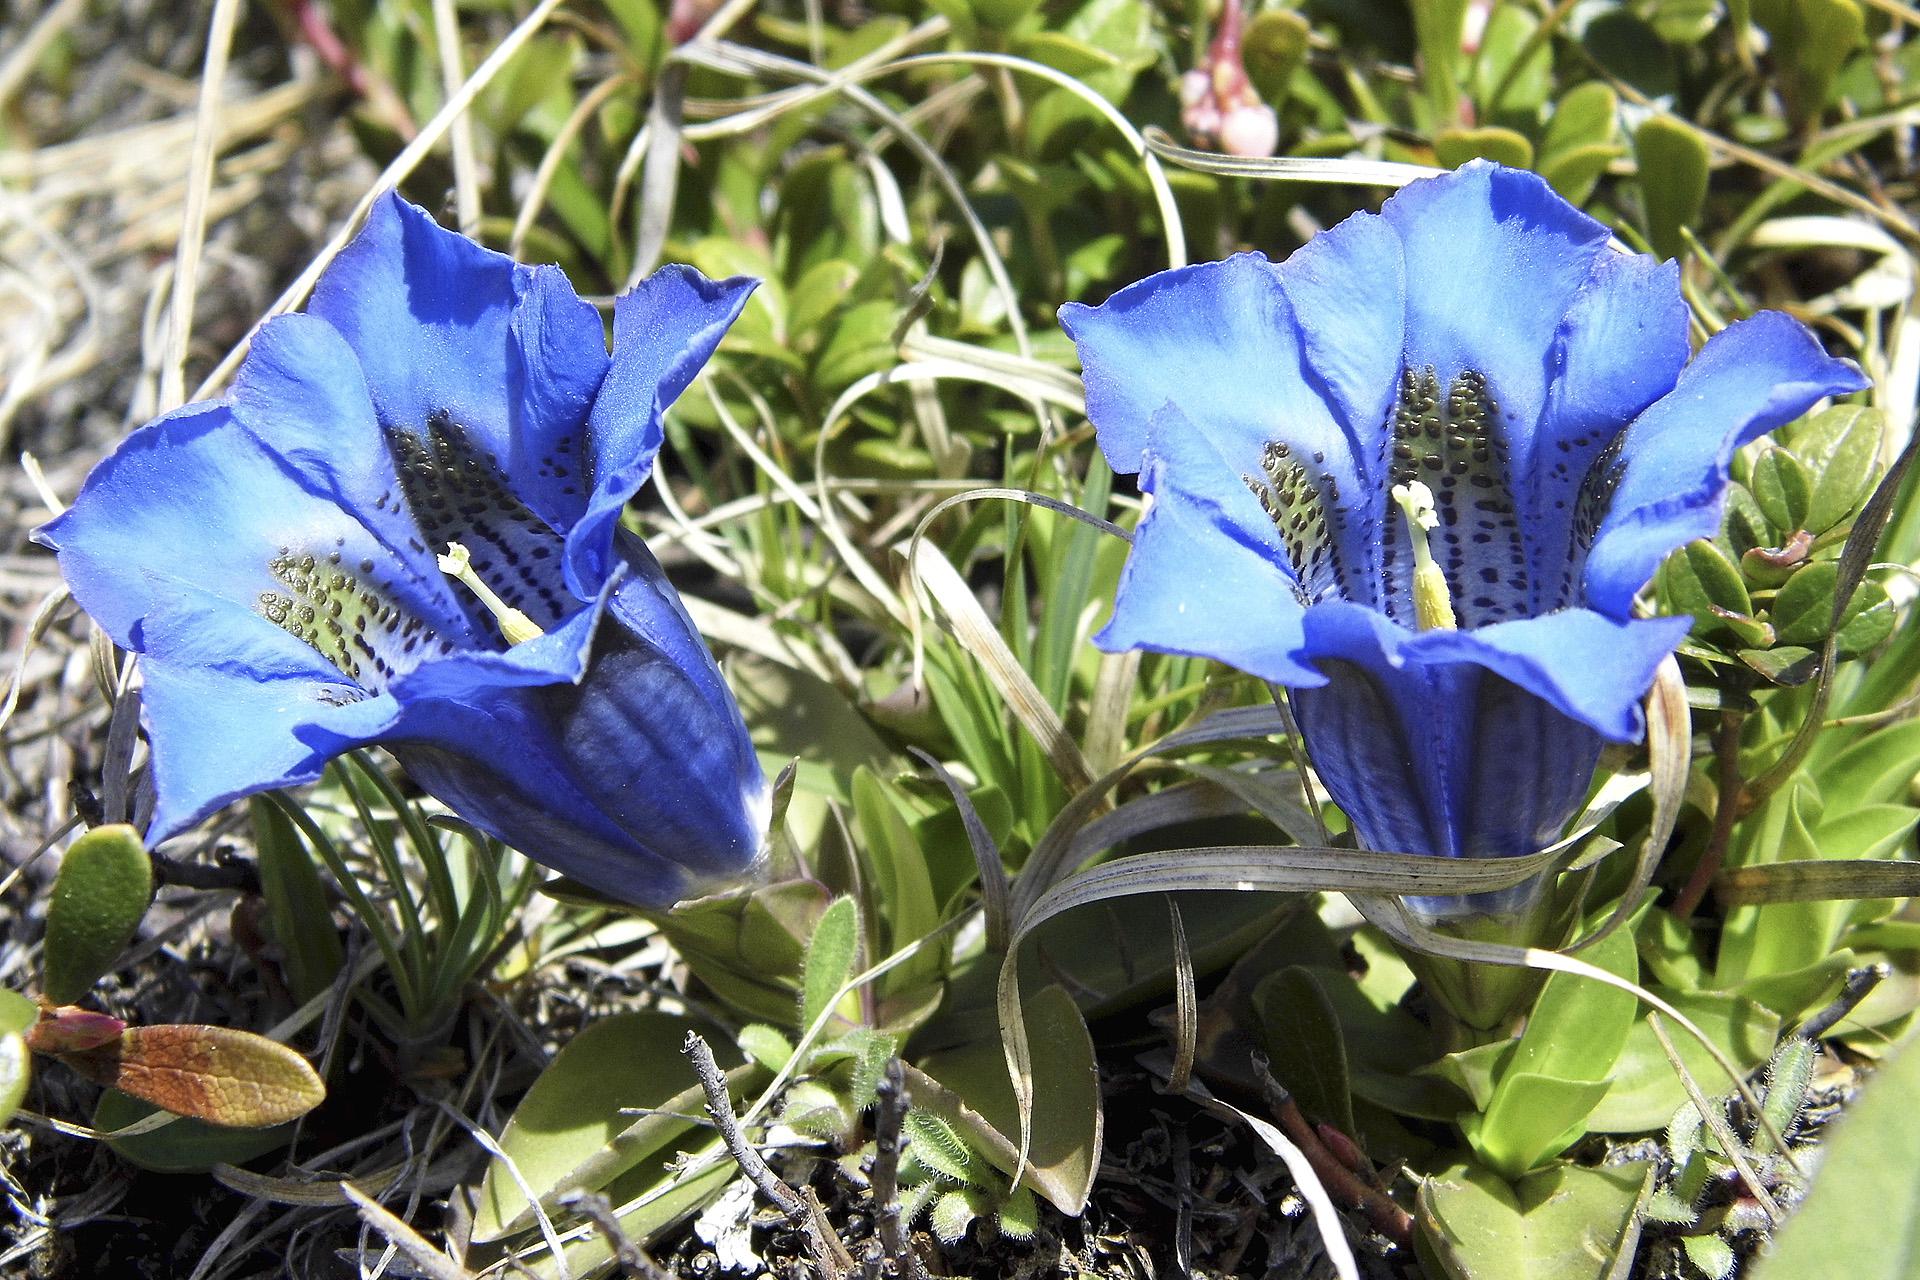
[
  {"x": 275, "y": 558},
  {"x": 1418, "y": 472}
]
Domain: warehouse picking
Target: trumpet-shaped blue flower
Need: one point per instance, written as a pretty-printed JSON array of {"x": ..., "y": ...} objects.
[
  {"x": 1418, "y": 472},
  {"x": 274, "y": 559}
]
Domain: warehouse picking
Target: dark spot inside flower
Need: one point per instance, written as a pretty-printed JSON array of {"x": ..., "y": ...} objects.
[
  {"x": 1453, "y": 441},
  {"x": 457, "y": 492}
]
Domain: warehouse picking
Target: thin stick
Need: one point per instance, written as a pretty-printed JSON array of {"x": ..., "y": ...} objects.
[
  {"x": 635, "y": 1263},
  {"x": 889, "y": 1112},
  {"x": 720, "y": 1108},
  {"x": 802, "y": 1209},
  {"x": 193, "y": 220},
  {"x": 466, "y": 164}
]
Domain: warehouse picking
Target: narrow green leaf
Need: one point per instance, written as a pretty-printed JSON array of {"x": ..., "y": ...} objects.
[{"x": 296, "y": 898}]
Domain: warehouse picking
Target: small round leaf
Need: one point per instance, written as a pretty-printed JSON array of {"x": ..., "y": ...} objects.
[{"x": 98, "y": 898}]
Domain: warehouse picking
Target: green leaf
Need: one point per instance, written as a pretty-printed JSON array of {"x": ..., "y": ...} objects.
[
  {"x": 1868, "y": 622},
  {"x": 1783, "y": 488},
  {"x": 1584, "y": 116},
  {"x": 1300, "y": 1032},
  {"x": 1788, "y": 665},
  {"x": 1532, "y": 1117},
  {"x": 1438, "y": 26},
  {"x": 16, "y": 1071},
  {"x": 1839, "y": 449},
  {"x": 969, "y": 1088},
  {"x": 1803, "y": 611},
  {"x": 1558, "y": 1072},
  {"x": 1575, "y": 171},
  {"x": 1810, "y": 41},
  {"x": 296, "y": 898},
  {"x": 765, "y": 1045},
  {"x": 1563, "y": 1223},
  {"x": 1861, "y": 1219},
  {"x": 1878, "y": 769},
  {"x": 98, "y": 899},
  {"x": 904, "y": 887},
  {"x": 938, "y": 1147},
  {"x": 748, "y": 945},
  {"x": 1699, "y": 579},
  {"x": 1454, "y": 147},
  {"x": 185, "y": 1145},
  {"x": 1529, "y": 83},
  {"x": 17, "y": 1013},
  {"x": 1274, "y": 45},
  {"x": 1645, "y": 1090},
  {"x": 1672, "y": 162},
  {"x": 574, "y": 1130},
  {"x": 832, "y": 953}
]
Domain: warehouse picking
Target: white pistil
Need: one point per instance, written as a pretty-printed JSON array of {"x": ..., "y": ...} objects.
[
  {"x": 516, "y": 626},
  {"x": 1432, "y": 602}
]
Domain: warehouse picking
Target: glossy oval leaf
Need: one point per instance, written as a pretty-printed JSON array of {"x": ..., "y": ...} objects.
[
  {"x": 970, "y": 1089},
  {"x": 1562, "y": 1223},
  {"x": 617, "y": 1093},
  {"x": 98, "y": 899}
]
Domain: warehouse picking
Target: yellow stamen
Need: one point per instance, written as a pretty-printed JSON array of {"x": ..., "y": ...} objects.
[
  {"x": 516, "y": 626},
  {"x": 1432, "y": 602}
]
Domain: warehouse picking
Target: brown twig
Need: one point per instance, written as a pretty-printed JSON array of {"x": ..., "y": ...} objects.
[
  {"x": 635, "y": 1263},
  {"x": 1341, "y": 1182},
  {"x": 1859, "y": 983},
  {"x": 890, "y": 1110},
  {"x": 1732, "y": 803},
  {"x": 801, "y": 1209}
]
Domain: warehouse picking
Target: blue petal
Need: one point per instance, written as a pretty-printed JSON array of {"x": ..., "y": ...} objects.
[
  {"x": 1751, "y": 377},
  {"x": 427, "y": 311},
  {"x": 302, "y": 394},
  {"x": 560, "y": 357},
  {"x": 635, "y": 776},
  {"x": 1349, "y": 293},
  {"x": 193, "y": 501},
  {"x": 664, "y": 330},
  {"x": 233, "y": 705},
  {"x": 1591, "y": 668},
  {"x": 1494, "y": 260},
  {"x": 655, "y": 735},
  {"x": 1621, "y": 347},
  {"x": 1220, "y": 341},
  {"x": 1471, "y": 743},
  {"x": 1204, "y": 578}
]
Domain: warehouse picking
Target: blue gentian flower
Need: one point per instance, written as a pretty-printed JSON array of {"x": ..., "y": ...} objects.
[
  {"x": 274, "y": 558},
  {"x": 1418, "y": 473}
]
